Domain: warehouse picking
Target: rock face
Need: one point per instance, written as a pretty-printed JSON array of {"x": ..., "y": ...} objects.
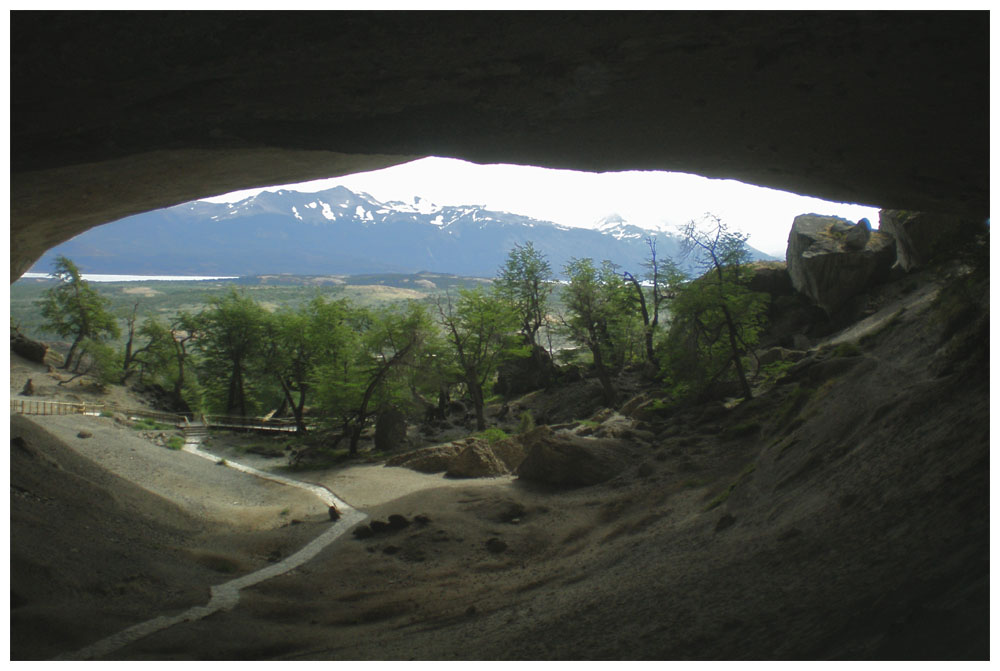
[
  {"x": 436, "y": 459},
  {"x": 825, "y": 268},
  {"x": 519, "y": 376},
  {"x": 104, "y": 127},
  {"x": 565, "y": 459},
  {"x": 476, "y": 460},
  {"x": 921, "y": 237},
  {"x": 26, "y": 347}
]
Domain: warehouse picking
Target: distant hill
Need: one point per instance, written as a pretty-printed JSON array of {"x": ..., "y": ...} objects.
[{"x": 342, "y": 232}]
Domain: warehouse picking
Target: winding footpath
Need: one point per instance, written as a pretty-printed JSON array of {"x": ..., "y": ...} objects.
[{"x": 224, "y": 597}]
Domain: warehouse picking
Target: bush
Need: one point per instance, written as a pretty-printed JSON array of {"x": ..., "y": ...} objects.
[
  {"x": 175, "y": 442},
  {"x": 526, "y": 422}
]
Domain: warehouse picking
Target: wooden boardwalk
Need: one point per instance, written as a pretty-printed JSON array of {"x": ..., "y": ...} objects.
[{"x": 181, "y": 421}]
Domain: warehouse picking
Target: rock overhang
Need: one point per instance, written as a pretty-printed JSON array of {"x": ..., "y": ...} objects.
[{"x": 114, "y": 114}]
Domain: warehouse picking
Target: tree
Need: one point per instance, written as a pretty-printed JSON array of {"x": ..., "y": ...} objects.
[
  {"x": 717, "y": 319},
  {"x": 525, "y": 282},
  {"x": 74, "y": 310},
  {"x": 478, "y": 327},
  {"x": 230, "y": 342},
  {"x": 599, "y": 317},
  {"x": 298, "y": 342},
  {"x": 662, "y": 275}
]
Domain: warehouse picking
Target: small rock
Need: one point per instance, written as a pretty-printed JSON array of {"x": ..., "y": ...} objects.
[
  {"x": 495, "y": 545},
  {"x": 334, "y": 514},
  {"x": 274, "y": 557},
  {"x": 470, "y": 611},
  {"x": 29, "y": 389},
  {"x": 379, "y": 527},
  {"x": 422, "y": 520},
  {"x": 362, "y": 531},
  {"x": 398, "y": 522},
  {"x": 84, "y": 434}
]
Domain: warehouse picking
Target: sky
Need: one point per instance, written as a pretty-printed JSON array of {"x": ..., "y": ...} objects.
[{"x": 652, "y": 200}]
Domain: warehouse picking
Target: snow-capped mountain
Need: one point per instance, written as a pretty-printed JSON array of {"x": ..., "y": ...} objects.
[{"x": 339, "y": 231}]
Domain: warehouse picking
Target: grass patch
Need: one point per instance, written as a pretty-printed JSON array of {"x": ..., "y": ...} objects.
[
  {"x": 175, "y": 442},
  {"x": 846, "y": 349},
  {"x": 492, "y": 435},
  {"x": 724, "y": 495},
  {"x": 147, "y": 424},
  {"x": 525, "y": 423}
]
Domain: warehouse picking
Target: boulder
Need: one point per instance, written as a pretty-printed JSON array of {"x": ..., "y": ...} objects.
[
  {"x": 510, "y": 451},
  {"x": 31, "y": 350},
  {"x": 476, "y": 460},
  {"x": 434, "y": 459},
  {"x": 770, "y": 277},
  {"x": 390, "y": 430},
  {"x": 826, "y": 269},
  {"x": 521, "y": 375},
  {"x": 569, "y": 460},
  {"x": 922, "y": 237}
]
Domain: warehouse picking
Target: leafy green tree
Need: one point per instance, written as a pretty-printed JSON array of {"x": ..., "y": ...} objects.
[
  {"x": 297, "y": 342},
  {"x": 478, "y": 327},
  {"x": 230, "y": 340},
  {"x": 600, "y": 317},
  {"x": 525, "y": 281},
  {"x": 392, "y": 344},
  {"x": 74, "y": 310},
  {"x": 661, "y": 277},
  {"x": 98, "y": 360},
  {"x": 716, "y": 318}
]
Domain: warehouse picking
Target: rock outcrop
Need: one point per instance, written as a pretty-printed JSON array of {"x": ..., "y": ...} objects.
[
  {"x": 476, "y": 460},
  {"x": 922, "y": 237},
  {"x": 519, "y": 376},
  {"x": 30, "y": 349},
  {"x": 826, "y": 264},
  {"x": 435, "y": 459},
  {"x": 569, "y": 460}
]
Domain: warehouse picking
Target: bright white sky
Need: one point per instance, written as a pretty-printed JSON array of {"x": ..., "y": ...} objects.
[{"x": 655, "y": 200}]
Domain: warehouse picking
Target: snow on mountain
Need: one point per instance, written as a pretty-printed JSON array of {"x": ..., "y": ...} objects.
[{"x": 343, "y": 232}]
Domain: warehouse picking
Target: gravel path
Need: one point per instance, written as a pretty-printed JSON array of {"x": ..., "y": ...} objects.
[{"x": 197, "y": 485}]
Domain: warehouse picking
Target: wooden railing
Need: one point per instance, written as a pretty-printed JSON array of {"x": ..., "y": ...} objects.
[{"x": 35, "y": 407}]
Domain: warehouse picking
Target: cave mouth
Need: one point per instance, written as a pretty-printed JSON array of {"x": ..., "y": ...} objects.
[{"x": 648, "y": 201}]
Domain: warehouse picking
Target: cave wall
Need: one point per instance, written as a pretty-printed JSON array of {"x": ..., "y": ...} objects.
[{"x": 118, "y": 113}]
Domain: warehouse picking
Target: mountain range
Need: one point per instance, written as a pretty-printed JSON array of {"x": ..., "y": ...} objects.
[{"x": 342, "y": 232}]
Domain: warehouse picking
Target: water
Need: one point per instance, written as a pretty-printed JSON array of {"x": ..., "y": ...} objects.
[{"x": 90, "y": 277}]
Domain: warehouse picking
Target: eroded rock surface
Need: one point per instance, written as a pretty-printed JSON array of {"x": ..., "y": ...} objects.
[{"x": 824, "y": 266}]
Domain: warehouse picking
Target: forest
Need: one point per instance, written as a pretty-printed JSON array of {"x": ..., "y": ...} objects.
[{"x": 334, "y": 363}]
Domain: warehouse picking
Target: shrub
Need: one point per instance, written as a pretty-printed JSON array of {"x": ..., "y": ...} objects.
[
  {"x": 175, "y": 442},
  {"x": 526, "y": 422}
]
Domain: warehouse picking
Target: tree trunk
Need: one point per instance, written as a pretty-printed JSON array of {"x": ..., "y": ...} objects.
[
  {"x": 476, "y": 393},
  {"x": 731, "y": 326},
  {"x": 610, "y": 395},
  {"x": 72, "y": 351}
]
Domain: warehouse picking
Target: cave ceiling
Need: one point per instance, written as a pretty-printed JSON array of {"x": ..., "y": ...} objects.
[{"x": 118, "y": 113}]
